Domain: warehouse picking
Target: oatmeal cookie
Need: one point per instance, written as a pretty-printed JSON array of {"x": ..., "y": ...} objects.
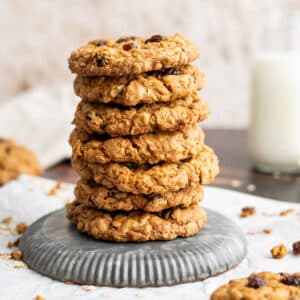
[
  {"x": 130, "y": 90},
  {"x": 137, "y": 226},
  {"x": 149, "y": 179},
  {"x": 261, "y": 286},
  {"x": 117, "y": 121},
  {"x": 132, "y": 55},
  {"x": 16, "y": 160},
  {"x": 147, "y": 148},
  {"x": 97, "y": 196}
]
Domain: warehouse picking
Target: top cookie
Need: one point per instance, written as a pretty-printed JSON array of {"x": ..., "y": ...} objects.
[
  {"x": 261, "y": 286},
  {"x": 131, "y": 55},
  {"x": 16, "y": 160}
]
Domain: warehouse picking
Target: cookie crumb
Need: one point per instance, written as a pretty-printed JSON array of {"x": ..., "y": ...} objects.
[
  {"x": 247, "y": 211},
  {"x": 251, "y": 187},
  {"x": 265, "y": 231},
  {"x": 7, "y": 220},
  {"x": 15, "y": 243},
  {"x": 88, "y": 288},
  {"x": 236, "y": 183},
  {"x": 5, "y": 256},
  {"x": 20, "y": 265},
  {"x": 279, "y": 251},
  {"x": 21, "y": 227},
  {"x": 16, "y": 255},
  {"x": 53, "y": 191},
  {"x": 69, "y": 282},
  {"x": 286, "y": 212},
  {"x": 296, "y": 248},
  {"x": 39, "y": 297}
]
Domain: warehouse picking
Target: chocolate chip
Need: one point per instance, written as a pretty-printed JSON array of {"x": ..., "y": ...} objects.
[
  {"x": 125, "y": 39},
  {"x": 170, "y": 71},
  {"x": 154, "y": 39},
  {"x": 101, "y": 61},
  {"x": 100, "y": 43},
  {"x": 255, "y": 282},
  {"x": 89, "y": 117},
  {"x": 129, "y": 46},
  {"x": 296, "y": 248},
  {"x": 291, "y": 280},
  {"x": 111, "y": 194}
]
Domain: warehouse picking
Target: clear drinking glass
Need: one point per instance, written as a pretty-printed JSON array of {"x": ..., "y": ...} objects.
[{"x": 274, "y": 133}]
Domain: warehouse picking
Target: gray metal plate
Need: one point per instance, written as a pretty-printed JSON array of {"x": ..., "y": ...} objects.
[{"x": 53, "y": 247}]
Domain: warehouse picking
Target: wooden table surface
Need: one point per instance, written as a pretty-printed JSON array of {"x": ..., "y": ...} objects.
[{"x": 236, "y": 170}]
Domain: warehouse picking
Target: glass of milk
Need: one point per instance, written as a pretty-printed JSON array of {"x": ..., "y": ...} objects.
[{"x": 274, "y": 133}]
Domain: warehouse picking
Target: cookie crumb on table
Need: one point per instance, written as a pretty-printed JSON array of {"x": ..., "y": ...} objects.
[
  {"x": 16, "y": 254},
  {"x": 53, "y": 191},
  {"x": 286, "y": 212},
  {"x": 21, "y": 227},
  {"x": 39, "y": 297},
  {"x": 7, "y": 220},
  {"x": 247, "y": 211},
  {"x": 15, "y": 243},
  {"x": 279, "y": 251},
  {"x": 19, "y": 265},
  {"x": 264, "y": 231},
  {"x": 88, "y": 288}
]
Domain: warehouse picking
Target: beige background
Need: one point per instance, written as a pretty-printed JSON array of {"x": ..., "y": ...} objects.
[{"x": 38, "y": 35}]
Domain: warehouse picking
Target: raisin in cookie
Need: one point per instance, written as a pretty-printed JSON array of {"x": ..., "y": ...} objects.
[
  {"x": 149, "y": 179},
  {"x": 131, "y": 55},
  {"x": 137, "y": 226},
  {"x": 100, "y": 197},
  {"x": 16, "y": 160},
  {"x": 148, "y": 148},
  {"x": 261, "y": 286},
  {"x": 130, "y": 90},
  {"x": 118, "y": 121}
]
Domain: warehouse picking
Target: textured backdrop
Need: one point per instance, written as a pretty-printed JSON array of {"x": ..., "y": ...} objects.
[{"x": 38, "y": 35}]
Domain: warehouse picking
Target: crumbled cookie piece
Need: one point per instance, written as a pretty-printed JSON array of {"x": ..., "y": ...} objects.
[
  {"x": 53, "y": 191},
  {"x": 247, "y": 211},
  {"x": 264, "y": 231},
  {"x": 39, "y": 297},
  {"x": 19, "y": 265},
  {"x": 279, "y": 251},
  {"x": 5, "y": 256},
  {"x": 15, "y": 243},
  {"x": 16, "y": 255},
  {"x": 267, "y": 231},
  {"x": 88, "y": 288},
  {"x": 296, "y": 248},
  {"x": 286, "y": 212},
  {"x": 7, "y": 220},
  {"x": 21, "y": 227}
]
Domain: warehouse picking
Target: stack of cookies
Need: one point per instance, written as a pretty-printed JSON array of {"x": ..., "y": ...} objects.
[{"x": 136, "y": 145}]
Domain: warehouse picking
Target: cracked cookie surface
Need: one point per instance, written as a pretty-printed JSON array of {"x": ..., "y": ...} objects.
[
  {"x": 16, "y": 160},
  {"x": 116, "y": 121},
  {"x": 261, "y": 286},
  {"x": 147, "y": 148},
  {"x": 131, "y": 55},
  {"x": 148, "y": 179},
  {"x": 137, "y": 226},
  {"x": 161, "y": 86},
  {"x": 100, "y": 197}
]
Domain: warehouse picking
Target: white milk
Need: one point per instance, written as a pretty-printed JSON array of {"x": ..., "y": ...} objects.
[{"x": 274, "y": 135}]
